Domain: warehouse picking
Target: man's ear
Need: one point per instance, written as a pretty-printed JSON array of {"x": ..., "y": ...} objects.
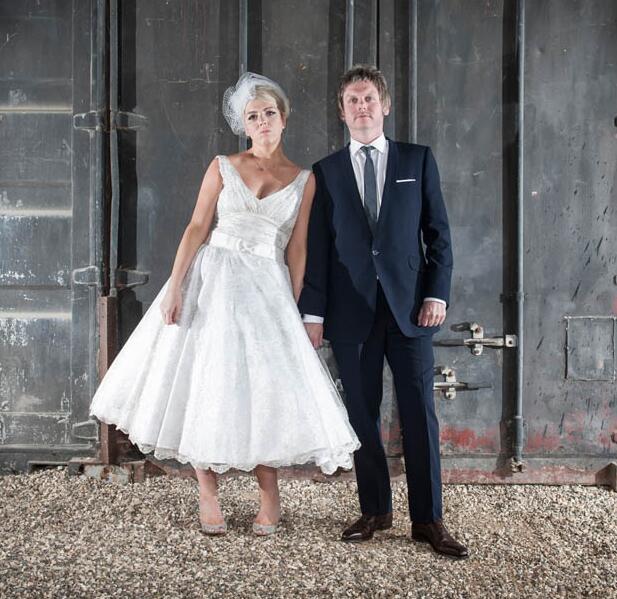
[{"x": 386, "y": 109}]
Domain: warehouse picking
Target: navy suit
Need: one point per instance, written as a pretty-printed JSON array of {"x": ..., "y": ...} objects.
[{"x": 369, "y": 291}]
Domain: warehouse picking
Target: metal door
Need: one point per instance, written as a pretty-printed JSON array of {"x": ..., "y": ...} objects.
[
  {"x": 514, "y": 97},
  {"x": 51, "y": 149},
  {"x": 457, "y": 73}
]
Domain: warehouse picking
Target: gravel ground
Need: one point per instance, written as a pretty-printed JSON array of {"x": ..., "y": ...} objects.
[{"x": 78, "y": 537}]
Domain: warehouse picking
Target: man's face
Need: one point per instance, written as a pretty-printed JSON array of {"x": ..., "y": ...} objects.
[{"x": 363, "y": 111}]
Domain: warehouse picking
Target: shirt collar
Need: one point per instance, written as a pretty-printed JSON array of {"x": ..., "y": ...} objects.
[{"x": 379, "y": 144}]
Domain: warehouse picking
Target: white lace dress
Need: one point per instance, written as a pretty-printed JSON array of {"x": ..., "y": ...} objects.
[{"x": 236, "y": 382}]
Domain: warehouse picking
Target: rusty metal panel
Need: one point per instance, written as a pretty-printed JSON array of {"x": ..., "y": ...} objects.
[
  {"x": 590, "y": 348},
  {"x": 45, "y": 215},
  {"x": 452, "y": 68},
  {"x": 453, "y": 72},
  {"x": 459, "y": 114},
  {"x": 571, "y": 218}
]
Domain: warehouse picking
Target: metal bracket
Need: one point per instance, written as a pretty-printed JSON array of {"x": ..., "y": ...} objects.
[
  {"x": 449, "y": 386},
  {"x": 478, "y": 341},
  {"x": 89, "y": 275},
  {"x": 127, "y": 278},
  {"x": 608, "y": 476},
  {"x": 84, "y": 425},
  {"x": 128, "y": 120},
  {"x": 517, "y": 465},
  {"x": 93, "y": 120}
]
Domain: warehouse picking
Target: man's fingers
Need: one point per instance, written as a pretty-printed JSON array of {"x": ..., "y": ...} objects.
[
  {"x": 430, "y": 317},
  {"x": 315, "y": 334},
  {"x": 316, "y": 341}
]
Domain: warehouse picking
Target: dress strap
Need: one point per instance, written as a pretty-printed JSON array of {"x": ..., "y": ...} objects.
[
  {"x": 301, "y": 181},
  {"x": 224, "y": 166},
  {"x": 303, "y": 177}
]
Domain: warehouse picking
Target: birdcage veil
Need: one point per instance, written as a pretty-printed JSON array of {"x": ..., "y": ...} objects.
[{"x": 237, "y": 96}]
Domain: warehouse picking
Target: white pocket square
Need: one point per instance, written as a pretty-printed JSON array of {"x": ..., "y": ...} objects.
[{"x": 405, "y": 180}]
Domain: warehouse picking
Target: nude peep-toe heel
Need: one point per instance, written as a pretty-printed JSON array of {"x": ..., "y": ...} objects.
[
  {"x": 264, "y": 530},
  {"x": 214, "y": 529}
]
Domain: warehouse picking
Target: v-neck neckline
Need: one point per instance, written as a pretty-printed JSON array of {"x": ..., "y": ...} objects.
[{"x": 268, "y": 195}]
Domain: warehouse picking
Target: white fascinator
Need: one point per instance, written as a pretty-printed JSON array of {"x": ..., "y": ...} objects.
[{"x": 237, "y": 96}]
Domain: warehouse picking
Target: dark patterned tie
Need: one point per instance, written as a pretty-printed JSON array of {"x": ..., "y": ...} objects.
[{"x": 370, "y": 189}]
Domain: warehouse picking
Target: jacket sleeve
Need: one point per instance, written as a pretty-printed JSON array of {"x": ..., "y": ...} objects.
[
  {"x": 435, "y": 233},
  {"x": 314, "y": 297}
]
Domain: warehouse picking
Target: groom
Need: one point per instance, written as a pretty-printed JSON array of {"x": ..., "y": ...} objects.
[{"x": 377, "y": 284}]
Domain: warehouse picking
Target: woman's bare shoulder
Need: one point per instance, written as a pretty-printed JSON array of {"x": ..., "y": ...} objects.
[{"x": 238, "y": 159}]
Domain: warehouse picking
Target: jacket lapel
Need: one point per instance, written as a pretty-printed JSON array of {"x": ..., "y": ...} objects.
[
  {"x": 350, "y": 187},
  {"x": 388, "y": 187}
]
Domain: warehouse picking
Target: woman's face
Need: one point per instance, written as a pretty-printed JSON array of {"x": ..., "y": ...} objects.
[{"x": 263, "y": 121}]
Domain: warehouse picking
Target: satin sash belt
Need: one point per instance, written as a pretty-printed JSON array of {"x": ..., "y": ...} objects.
[{"x": 223, "y": 240}]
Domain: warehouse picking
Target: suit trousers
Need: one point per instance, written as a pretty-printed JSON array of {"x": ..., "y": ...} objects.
[{"x": 361, "y": 370}]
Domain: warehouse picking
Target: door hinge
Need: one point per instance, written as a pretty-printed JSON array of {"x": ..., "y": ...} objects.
[
  {"x": 92, "y": 120},
  {"x": 89, "y": 275},
  {"x": 127, "y": 278},
  {"x": 86, "y": 424},
  {"x": 128, "y": 120},
  {"x": 98, "y": 120}
]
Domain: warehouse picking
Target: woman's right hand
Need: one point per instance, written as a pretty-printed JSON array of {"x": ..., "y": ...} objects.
[{"x": 171, "y": 305}]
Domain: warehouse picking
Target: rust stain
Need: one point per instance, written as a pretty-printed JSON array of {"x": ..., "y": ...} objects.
[
  {"x": 466, "y": 438},
  {"x": 543, "y": 475},
  {"x": 587, "y": 429},
  {"x": 543, "y": 441}
]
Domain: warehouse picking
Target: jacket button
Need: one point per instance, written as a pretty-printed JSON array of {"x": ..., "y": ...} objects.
[{"x": 375, "y": 252}]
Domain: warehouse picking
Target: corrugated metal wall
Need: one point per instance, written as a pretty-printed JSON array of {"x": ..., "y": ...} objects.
[{"x": 454, "y": 72}]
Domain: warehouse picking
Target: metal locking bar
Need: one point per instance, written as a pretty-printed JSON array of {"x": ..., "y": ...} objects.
[
  {"x": 449, "y": 386},
  {"x": 478, "y": 341}
]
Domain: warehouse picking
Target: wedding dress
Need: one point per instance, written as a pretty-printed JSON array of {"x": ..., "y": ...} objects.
[{"x": 235, "y": 382}]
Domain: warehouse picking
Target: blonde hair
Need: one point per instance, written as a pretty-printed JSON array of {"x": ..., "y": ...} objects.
[
  {"x": 265, "y": 92},
  {"x": 248, "y": 87}
]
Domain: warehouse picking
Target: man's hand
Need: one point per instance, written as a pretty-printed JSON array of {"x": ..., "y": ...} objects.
[
  {"x": 432, "y": 314},
  {"x": 315, "y": 333}
]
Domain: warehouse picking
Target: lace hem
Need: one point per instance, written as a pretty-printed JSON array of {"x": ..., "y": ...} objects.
[{"x": 327, "y": 461}]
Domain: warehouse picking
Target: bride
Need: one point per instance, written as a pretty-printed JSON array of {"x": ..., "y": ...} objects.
[{"x": 220, "y": 373}]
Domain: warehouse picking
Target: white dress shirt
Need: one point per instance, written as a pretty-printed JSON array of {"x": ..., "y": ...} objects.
[{"x": 380, "y": 160}]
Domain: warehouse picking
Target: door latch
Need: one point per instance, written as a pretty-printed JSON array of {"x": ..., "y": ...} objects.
[
  {"x": 478, "y": 341},
  {"x": 449, "y": 386}
]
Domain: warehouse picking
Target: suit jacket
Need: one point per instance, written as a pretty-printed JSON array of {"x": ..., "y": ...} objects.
[{"x": 411, "y": 252}]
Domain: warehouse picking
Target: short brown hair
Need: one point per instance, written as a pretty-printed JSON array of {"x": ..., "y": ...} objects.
[{"x": 364, "y": 72}]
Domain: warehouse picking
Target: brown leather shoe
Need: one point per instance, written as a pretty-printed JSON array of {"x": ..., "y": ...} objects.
[
  {"x": 440, "y": 539},
  {"x": 363, "y": 528}
]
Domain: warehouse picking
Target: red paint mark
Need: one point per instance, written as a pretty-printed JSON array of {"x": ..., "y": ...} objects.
[
  {"x": 466, "y": 438},
  {"x": 614, "y": 306},
  {"x": 579, "y": 432},
  {"x": 540, "y": 441}
]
